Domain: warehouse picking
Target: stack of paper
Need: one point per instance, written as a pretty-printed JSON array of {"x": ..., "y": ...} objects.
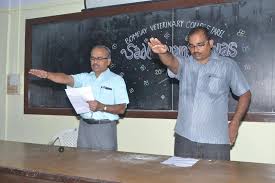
[
  {"x": 79, "y": 97},
  {"x": 180, "y": 162}
]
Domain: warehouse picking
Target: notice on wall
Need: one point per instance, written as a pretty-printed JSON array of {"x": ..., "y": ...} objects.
[{"x": 13, "y": 84}]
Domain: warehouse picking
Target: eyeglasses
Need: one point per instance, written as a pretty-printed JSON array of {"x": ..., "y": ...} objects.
[
  {"x": 98, "y": 58},
  {"x": 199, "y": 45}
]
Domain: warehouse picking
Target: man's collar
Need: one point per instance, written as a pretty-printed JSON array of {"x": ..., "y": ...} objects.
[{"x": 103, "y": 73}]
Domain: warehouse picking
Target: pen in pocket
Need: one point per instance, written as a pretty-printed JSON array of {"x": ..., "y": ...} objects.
[{"x": 105, "y": 87}]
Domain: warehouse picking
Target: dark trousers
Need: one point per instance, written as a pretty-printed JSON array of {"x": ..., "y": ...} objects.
[{"x": 188, "y": 149}]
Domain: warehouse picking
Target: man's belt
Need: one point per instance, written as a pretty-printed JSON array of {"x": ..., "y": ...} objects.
[{"x": 94, "y": 121}]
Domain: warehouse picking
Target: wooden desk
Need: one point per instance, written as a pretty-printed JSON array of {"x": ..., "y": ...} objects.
[{"x": 32, "y": 163}]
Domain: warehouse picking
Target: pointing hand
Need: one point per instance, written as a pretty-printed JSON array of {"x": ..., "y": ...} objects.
[{"x": 39, "y": 73}]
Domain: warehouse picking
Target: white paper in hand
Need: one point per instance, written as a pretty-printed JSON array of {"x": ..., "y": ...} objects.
[{"x": 79, "y": 97}]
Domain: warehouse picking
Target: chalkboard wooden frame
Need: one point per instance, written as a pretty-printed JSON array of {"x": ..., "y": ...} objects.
[{"x": 109, "y": 11}]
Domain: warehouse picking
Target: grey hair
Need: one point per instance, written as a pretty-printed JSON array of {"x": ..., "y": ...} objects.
[{"x": 104, "y": 47}]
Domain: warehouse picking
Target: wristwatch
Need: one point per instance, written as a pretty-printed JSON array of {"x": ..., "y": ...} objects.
[{"x": 105, "y": 108}]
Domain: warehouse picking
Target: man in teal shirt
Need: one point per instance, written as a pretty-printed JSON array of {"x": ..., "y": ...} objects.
[{"x": 97, "y": 129}]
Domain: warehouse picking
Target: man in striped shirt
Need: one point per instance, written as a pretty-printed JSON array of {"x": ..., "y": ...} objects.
[{"x": 202, "y": 129}]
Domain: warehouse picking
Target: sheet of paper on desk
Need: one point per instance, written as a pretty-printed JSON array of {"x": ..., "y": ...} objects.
[
  {"x": 79, "y": 97},
  {"x": 180, "y": 162}
]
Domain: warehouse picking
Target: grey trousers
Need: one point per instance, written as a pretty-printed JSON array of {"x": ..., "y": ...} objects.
[
  {"x": 188, "y": 149},
  {"x": 97, "y": 136}
]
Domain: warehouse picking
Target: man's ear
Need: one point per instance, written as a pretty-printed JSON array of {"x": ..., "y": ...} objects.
[
  {"x": 109, "y": 61},
  {"x": 211, "y": 42}
]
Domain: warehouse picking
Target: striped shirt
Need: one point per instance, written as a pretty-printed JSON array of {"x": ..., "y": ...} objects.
[{"x": 203, "y": 97}]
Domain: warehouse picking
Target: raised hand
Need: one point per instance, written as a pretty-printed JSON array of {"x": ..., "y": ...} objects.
[
  {"x": 39, "y": 73},
  {"x": 157, "y": 47}
]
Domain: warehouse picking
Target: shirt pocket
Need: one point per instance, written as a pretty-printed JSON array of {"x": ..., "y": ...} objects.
[
  {"x": 106, "y": 95},
  {"x": 216, "y": 85}
]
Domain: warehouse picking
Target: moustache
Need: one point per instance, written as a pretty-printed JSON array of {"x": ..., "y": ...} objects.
[
  {"x": 196, "y": 53},
  {"x": 95, "y": 65}
]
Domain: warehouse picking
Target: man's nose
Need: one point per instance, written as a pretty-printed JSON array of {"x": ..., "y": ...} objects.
[
  {"x": 95, "y": 61},
  {"x": 196, "y": 48}
]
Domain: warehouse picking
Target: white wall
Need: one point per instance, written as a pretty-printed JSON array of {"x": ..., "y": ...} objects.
[
  {"x": 4, "y": 22},
  {"x": 255, "y": 142}
]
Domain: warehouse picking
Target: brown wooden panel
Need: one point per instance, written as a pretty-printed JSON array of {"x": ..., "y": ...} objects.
[{"x": 31, "y": 163}]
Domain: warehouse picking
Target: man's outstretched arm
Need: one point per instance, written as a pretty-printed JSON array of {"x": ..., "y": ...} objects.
[
  {"x": 165, "y": 56},
  {"x": 53, "y": 76}
]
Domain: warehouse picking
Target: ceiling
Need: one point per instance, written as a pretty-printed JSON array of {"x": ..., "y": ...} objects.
[{"x": 90, "y": 3}]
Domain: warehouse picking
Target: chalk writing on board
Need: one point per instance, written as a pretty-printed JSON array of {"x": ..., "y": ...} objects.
[{"x": 243, "y": 31}]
